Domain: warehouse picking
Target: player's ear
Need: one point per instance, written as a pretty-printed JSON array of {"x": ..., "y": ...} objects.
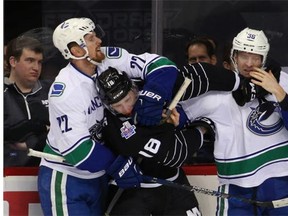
[{"x": 77, "y": 51}]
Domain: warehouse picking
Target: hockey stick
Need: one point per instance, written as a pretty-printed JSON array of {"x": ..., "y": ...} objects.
[
  {"x": 171, "y": 106},
  {"x": 176, "y": 98},
  {"x": 47, "y": 156},
  {"x": 268, "y": 204}
]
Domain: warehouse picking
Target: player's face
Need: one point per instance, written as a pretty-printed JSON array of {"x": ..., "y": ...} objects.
[
  {"x": 126, "y": 105},
  {"x": 94, "y": 44},
  {"x": 246, "y": 61}
]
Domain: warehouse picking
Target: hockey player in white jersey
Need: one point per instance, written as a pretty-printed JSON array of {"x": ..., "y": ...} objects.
[
  {"x": 251, "y": 147},
  {"x": 78, "y": 185}
]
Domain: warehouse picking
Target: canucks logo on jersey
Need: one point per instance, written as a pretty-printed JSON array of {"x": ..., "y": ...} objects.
[
  {"x": 261, "y": 121},
  {"x": 113, "y": 52},
  {"x": 58, "y": 89},
  {"x": 127, "y": 130}
]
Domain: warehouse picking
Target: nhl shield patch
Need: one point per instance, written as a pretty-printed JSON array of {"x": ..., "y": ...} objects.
[{"x": 127, "y": 130}]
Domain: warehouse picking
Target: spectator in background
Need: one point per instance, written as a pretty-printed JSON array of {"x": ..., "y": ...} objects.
[
  {"x": 26, "y": 120},
  {"x": 201, "y": 49}
]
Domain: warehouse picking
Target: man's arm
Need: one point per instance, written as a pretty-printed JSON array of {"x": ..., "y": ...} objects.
[{"x": 206, "y": 77}]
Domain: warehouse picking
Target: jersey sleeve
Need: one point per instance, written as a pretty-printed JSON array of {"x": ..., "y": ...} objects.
[
  {"x": 284, "y": 110},
  {"x": 284, "y": 104},
  {"x": 206, "y": 77}
]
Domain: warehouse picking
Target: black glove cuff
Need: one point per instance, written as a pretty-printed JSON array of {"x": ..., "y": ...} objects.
[
  {"x": 206, "y": 123},
  {"x": 284, "y": 103}
]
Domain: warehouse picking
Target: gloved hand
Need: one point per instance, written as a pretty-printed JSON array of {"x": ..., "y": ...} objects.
[
  {"x": 245, "y": 93},
  {"x": 275, "y": 68},
  {"x": 248, "y": 91},
  {"x": 149, "y": 106},
  {"x": 208, "y": 124},
  {"x": 125, "y": 172}
]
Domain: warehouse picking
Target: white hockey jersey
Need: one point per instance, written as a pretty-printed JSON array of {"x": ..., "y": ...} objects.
[{"x": 248, "y": 149}]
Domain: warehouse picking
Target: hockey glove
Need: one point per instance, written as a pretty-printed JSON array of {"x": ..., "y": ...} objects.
[
  {"x": 274, "y": 67},
  {"x": 245, "y": 93},
  {"x": 149, "y": 106},
  {"x": 208, "y": 124},
  {"x": 125, "y": 172}
]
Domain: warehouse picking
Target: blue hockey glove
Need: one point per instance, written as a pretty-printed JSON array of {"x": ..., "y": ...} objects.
[
  {"x": 149, "y": 106},
  {"x": 125, "y": 172}
]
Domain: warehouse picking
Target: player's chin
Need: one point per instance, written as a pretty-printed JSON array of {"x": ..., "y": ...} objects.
[
  {"x": 128, "y": 114},
  {"x": 246, "y": 74}
]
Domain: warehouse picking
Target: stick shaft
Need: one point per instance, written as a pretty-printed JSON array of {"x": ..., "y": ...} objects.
[
  {"x": 269, "y": 204},
  {"x": 176, "y": 99},
  {"x": 48, "y": 156},
  {"x": 179, "y": 94}
]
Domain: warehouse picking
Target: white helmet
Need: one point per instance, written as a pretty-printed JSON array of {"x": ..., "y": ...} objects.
[
  {"x": 72, "y": 30},
  {"x": 251, "y": 41}
]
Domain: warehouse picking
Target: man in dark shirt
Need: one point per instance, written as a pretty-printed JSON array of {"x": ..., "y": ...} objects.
[{"x": 26, "y": 120}]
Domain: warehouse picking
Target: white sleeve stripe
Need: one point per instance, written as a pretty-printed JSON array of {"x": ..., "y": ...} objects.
[{"x": 180, "y": 152}]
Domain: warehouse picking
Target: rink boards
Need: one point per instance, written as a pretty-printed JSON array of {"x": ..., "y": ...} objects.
[{"x": 21, "y": 197}]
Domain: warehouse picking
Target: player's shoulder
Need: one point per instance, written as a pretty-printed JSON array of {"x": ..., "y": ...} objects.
[
  {"x": 68, "y": 85},
  {"x": 114, "y": 57},
  {"x": 113, "y": 52}
]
